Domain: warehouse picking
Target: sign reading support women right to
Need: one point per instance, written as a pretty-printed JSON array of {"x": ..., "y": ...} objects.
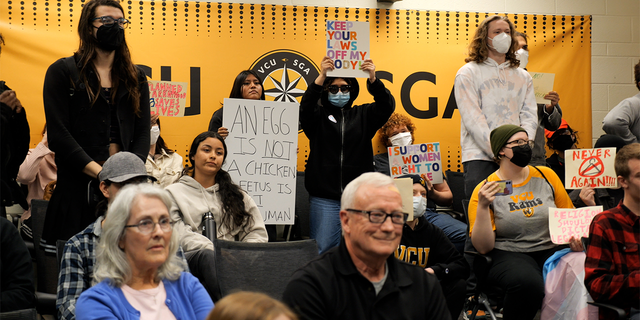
[
  {"x": 416, "y": 159},
  {"x": 348, "y": 46}
]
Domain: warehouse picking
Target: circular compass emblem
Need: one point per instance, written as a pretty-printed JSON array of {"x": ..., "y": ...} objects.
[{"x": 285, "y": 74}]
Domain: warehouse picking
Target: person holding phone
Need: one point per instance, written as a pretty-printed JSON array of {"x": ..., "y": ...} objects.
[{"x": 514, "y": 229}]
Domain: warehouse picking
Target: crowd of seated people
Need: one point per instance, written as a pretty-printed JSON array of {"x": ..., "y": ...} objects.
[{"x": 149, "y": 256}]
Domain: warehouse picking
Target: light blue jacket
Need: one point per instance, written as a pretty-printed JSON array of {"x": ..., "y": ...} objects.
[{"x": 186, "y": 298}]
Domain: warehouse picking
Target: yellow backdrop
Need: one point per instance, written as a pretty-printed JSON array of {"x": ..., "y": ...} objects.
[{"x": 417, "y": 53}]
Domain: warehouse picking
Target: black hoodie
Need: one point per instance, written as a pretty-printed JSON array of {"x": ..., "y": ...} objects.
[{"x": 340, "y": 138}]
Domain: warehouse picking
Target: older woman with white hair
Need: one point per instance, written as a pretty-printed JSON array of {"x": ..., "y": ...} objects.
[{"x": 138, "y": 275}]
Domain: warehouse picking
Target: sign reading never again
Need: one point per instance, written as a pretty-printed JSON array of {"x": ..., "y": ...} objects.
[{"x": 261, "y": 154}]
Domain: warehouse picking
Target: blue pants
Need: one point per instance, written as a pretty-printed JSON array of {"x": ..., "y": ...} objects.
[
  {"x": 454, "y": 229},
  {"x": 324, "y": 215}
]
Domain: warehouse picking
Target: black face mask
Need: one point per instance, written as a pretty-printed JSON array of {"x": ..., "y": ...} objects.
[
  {"x": 521, "y": 155},
  {"x": 563, "y": 142},
  {"x": 110, "y": 37}
]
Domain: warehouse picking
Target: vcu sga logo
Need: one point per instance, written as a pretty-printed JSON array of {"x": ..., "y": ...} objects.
[{"x": 285, "y": 74}]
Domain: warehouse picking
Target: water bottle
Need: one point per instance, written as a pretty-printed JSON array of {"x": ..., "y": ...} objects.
[{"x": 209, "y": 226}]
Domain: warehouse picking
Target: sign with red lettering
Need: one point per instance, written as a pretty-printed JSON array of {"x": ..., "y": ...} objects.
[
  {"x": 348, "y": 46},
  {"x": 566, "y": 223},
  {"x": 168, "y": 98},
  {"x": 590, "y": 167},
  {"x": 416, "y": 159}
]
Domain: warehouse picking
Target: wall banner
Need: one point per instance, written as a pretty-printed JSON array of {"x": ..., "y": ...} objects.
[{"x": 206, "y": 44}]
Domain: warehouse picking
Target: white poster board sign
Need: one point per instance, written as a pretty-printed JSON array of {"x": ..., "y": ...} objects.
[
  {"x": 405, "y": 186},
  {"x": 416, "y": 159},
  {"x": 590, "y": 167},
  {"x": 348, "y": 46},
  {"x": 566, "y": 223},
  {"x": 262, "y": 154},
  {"x": 542, "y": 85}
]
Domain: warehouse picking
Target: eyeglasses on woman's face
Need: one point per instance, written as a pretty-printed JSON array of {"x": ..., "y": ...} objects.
[
  {"x": 110, "y": 21},
  {"x": 147, "y": 226}
]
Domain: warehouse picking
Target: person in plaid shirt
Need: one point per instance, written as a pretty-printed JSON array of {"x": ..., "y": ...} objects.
[
  {"x": 612, "y": 267},
  {"x": 78, "y": 259}
]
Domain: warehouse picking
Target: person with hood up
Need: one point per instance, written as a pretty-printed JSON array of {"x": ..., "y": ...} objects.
[
  {"x": 340, "y": 147},
  {"x": 491, "y": 91}
]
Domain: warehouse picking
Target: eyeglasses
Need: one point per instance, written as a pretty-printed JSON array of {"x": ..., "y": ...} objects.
[
  {"x": 334, "y": 89},
  {"x": 147, "y": 226},
  {"x": 379, "y": 217},
  {"x": 520, "y": 142},
  {"x": 109, "y": 21}
]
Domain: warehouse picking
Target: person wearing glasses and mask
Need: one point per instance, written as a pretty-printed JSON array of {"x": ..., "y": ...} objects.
[
  {"x": 96, "y": 104},
  {"x": 361, "y": 278},
  {"x": 138, "y": 274},
  {"x": 491, "y": 91},
  {"x": 513, "y": 229},
  {"x": 559, "y": 141},
  {"x": 340, "y": 147}
]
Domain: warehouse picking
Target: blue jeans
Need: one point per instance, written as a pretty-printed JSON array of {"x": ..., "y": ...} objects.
[
  {"x": 324, "y": 215},
  {"x": 454, "y": 229}
]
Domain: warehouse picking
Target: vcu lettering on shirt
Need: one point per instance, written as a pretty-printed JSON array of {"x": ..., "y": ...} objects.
[
  {"x": 413, "y": 255},
  {"x": 525, "y": 202}
]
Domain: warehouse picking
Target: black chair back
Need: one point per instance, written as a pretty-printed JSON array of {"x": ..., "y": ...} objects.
[{"x": 262, "y": 267}]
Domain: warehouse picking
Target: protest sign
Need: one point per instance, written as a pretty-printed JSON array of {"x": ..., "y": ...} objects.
[
  {"x": 262, "y": 154},
  {"x": 416, "y": 159},
  {"x": 542, "y": 85},
  {"x": 590, "y": 167},
  {"x": 168, "y": 98},
  {"x": 405, "y": 186},
  {"x": 565, "y": 223},
  {"x": 348, "y": 46}
]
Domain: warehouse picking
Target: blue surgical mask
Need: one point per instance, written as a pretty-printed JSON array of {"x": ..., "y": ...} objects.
[{"x": 339, "y": 99}]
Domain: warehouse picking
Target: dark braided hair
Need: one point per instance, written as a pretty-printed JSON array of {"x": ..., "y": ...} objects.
[{"x": 234, "y": 213}]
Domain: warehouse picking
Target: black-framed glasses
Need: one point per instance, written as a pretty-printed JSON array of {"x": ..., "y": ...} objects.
[
  {"x": 379, "y": 217},
  {"x": 334, "y": 89},
  {"x": 519, "y": 142},
  {"x": 147, "y": 226},
  {"x": 109, "y": 21}
]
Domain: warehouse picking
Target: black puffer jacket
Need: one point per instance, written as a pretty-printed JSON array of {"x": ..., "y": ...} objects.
[{"x": 340, "y": 138}]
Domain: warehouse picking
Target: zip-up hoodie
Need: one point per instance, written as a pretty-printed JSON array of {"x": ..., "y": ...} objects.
[
  {"x": 190, "y": 201},
  {"x": 340, "y": 138},
  {"x": 489, "y": 95}
]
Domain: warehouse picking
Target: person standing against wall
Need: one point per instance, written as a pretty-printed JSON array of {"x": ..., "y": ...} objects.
[{"x": 491, "y": 91}]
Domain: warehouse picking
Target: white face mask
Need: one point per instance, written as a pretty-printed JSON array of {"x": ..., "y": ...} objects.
[
  {"x": 523, "y": 56},
  {"x": 401, "y": 139},
  {"x": 155, "y": 133},
  {"x": 419, "y": 206},
  {"x": 501, "y": 43}
]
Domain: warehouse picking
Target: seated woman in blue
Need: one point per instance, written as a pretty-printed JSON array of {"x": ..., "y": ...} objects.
[{"x": 138, "y": 274}]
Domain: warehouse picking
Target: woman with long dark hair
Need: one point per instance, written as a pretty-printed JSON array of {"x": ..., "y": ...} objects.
[
  {"x": 96, "y": 104},
  {"x": 204, "y": 187},
  {"x": 247, "y": 85}
]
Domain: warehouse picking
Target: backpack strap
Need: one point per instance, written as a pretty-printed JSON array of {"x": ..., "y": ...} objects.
[
  {"x": 70, "y": 62},
  {"x": 553, "y": 191}
]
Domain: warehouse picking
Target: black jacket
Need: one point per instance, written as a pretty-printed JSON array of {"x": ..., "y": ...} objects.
[
  {"x": 79, "y": 132},
  {"x": 16, "y": 275},
  {"x": 330, "y": 287},
  {"x": 428, "y": 247},
  {"x": 340, "y": 138},
  {"x": 15, "y": 138}
]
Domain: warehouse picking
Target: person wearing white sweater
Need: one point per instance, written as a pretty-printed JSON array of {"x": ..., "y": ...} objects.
[
  {"x": 204, "y": 187},
  {"x": 491, "y": 91}
]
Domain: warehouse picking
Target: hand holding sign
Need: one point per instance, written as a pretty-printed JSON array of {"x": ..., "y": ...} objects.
[{"x": 542, "y": 86}]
